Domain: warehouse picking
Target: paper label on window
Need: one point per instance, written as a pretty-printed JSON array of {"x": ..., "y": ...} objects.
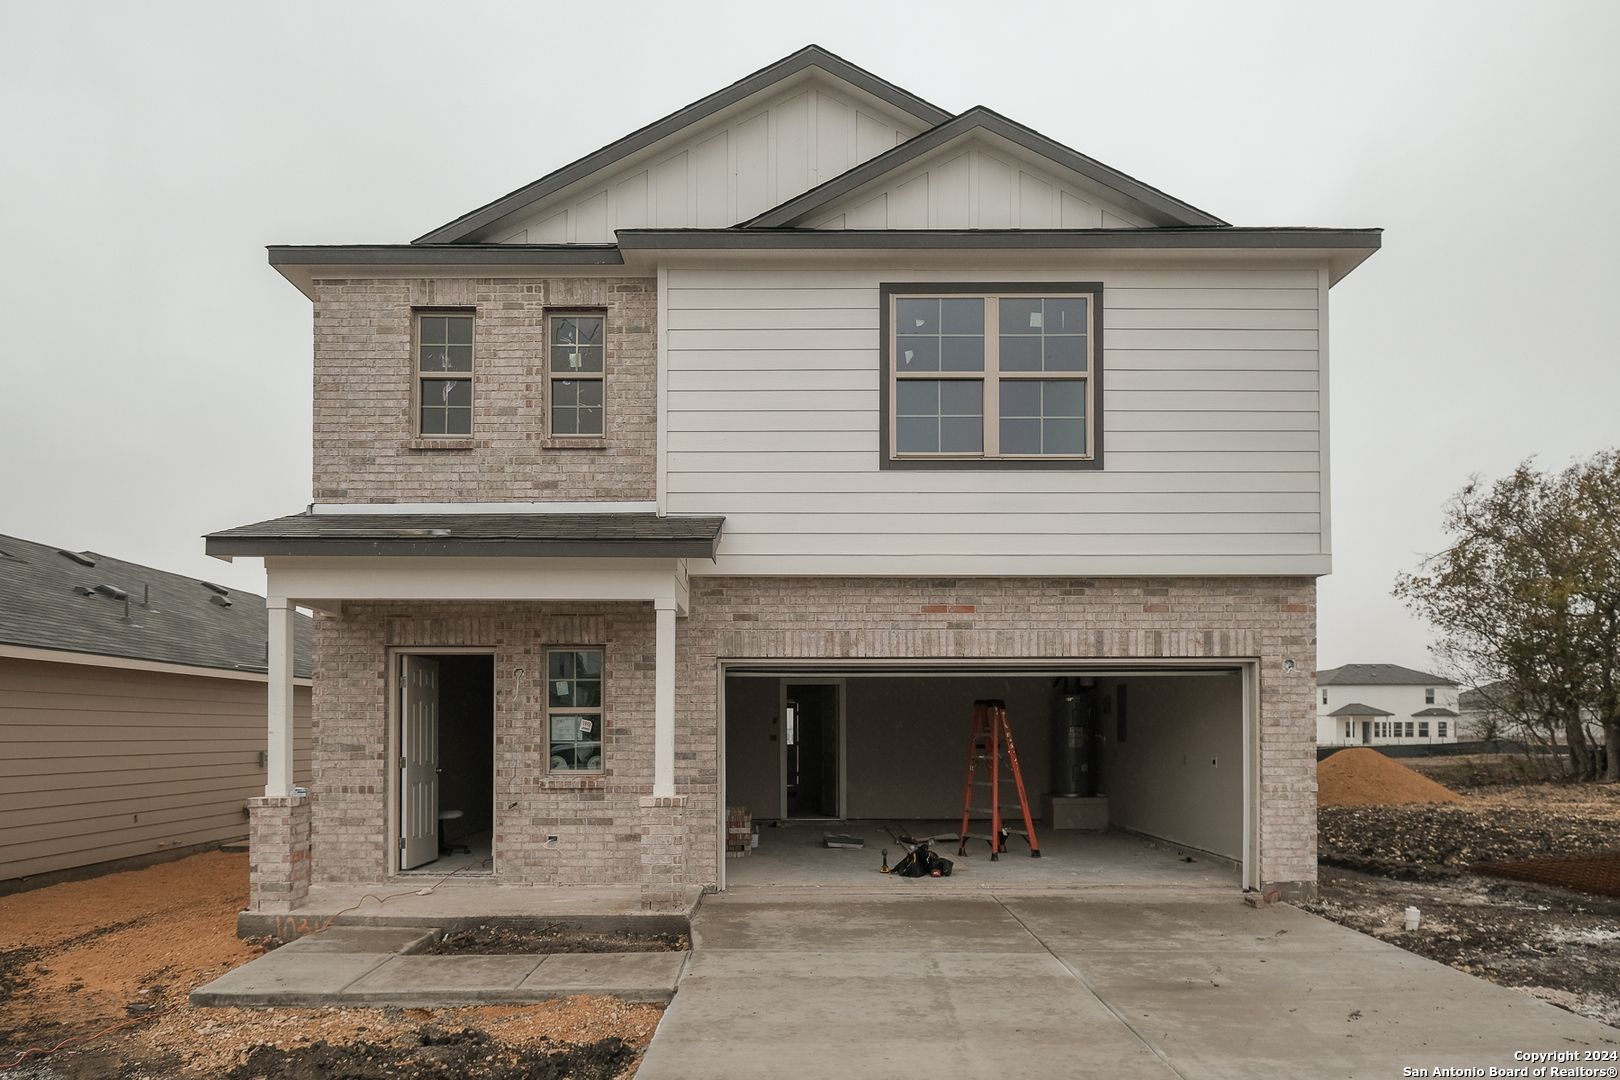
[
  {"x": 1035, "y": 319},
  {"x": 573, "y": 359},
  {"x": 560, "y": 687},
  {"x": 585, "y": 725}
]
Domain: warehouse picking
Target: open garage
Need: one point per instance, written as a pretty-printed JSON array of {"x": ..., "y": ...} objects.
[{"x": 1155, "y": 751}]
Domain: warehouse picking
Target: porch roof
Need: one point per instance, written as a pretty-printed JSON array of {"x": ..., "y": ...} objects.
[{"x": 604, "y": 535}]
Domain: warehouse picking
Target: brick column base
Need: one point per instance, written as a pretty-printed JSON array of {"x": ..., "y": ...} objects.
[
  {"x": 663, "y": 853},
  {"x": 278, "y": 859}
]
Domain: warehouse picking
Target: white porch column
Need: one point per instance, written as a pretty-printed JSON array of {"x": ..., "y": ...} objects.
[
  {"x": 279, "y": 773},
  {"x": 664, "y": 701}
]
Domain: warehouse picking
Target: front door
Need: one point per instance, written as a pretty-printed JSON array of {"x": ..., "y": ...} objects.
[{"x": 418, "y": 761}]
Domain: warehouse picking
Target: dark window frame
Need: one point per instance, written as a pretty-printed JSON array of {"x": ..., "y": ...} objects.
[
  {"x": 550, "y": 376},
  {"x": 599, "y": 711},
  {"x": 419, "y": 375},
  {"x": 888, "y": 291}
]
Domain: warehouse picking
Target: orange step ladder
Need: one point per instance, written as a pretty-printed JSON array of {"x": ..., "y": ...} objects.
[{"x": 992, "y": 739}]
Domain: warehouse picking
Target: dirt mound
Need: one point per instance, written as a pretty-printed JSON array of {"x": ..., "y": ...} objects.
[{"x": 1363, "y": 777}]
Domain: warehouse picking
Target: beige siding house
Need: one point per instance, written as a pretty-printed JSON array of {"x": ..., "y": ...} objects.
[
  {"x": 731, "y": 464},
  {"x": 132, "y": 706}
]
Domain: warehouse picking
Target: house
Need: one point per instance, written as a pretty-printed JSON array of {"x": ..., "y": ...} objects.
[
  {"x": 1384, "y": 705},
  {"x": 732, "y": 463},
  {"x": 132, "y": 705}
]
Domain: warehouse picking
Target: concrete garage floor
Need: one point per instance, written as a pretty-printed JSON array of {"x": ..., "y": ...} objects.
[
  {"x": 1159, "y": 981},
  {"x": 797, "y": 855}
]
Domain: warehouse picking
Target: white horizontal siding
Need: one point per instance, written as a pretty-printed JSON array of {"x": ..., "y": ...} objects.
[{"x": 1212, "y": 431}]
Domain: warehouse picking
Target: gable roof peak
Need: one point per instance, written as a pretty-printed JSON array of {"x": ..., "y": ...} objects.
[
  {"x": 467, "y": 228},
  {"x": 1164, "y": 210}
]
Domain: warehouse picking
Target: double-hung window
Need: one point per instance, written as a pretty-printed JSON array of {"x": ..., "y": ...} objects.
[
  {"x": 574, "y": 709},
  {"x": 1002, "y": 376},
  {"x": 575, "y": 375},
  {"x": 444, "y": 375}
]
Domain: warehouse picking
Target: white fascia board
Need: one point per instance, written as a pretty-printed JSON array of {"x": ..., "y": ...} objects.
[
  {"x": 1011, "y": 566},
  {"x": 486, "y": 508},
  {"x": 327, "y": 581},
  {"x": 125, "y": 663}
]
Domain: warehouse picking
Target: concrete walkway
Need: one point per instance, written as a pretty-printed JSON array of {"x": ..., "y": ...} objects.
[
  {"x": 1145, "y": 982},
  {"x": 377, "y": 965}
]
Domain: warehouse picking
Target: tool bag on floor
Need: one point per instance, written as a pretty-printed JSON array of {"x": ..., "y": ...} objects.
[{"x": 922, "y": 862}]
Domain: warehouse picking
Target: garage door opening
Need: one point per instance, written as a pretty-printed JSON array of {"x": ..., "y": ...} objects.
[{"x": 1157, "y": 753}]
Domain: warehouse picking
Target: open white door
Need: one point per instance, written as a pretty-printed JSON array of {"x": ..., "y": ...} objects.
[{"x": 419, "y": 762}]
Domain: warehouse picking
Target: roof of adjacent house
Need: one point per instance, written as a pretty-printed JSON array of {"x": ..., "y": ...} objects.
[
  {"x": 1436, "y": 711},
  {"x": 84, "y": 602},
  {"x": 546, "y": 535},
  {"x": 1379, "y": 675},
  {"x": 1359, "y": 710}
]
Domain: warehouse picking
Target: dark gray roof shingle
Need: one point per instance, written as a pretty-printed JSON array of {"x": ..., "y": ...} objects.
[
  {"x": 1378, "y": 675},
  {"x": 1359, "y": 710},
  {"x": 622, "y": 535},
  {"x": 53, "y": 600}
]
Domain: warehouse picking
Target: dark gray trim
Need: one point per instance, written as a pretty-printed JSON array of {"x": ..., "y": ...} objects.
[
  {"x": 1164, "y": 209},
  {"x": 886, "y": 360},
  {"x": 437, "y": 548},
  {"x": 1231, "y": 237},
  {"x": 465, "y": 227},
  {"x": 590, "y": 535},
  {"x": 394, "y": 255}
]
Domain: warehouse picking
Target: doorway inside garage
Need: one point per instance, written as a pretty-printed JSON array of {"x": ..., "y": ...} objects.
[{"x": 1165, "y": 749}]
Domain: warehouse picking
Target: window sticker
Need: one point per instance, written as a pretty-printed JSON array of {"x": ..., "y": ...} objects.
[{"x": 585, "y": 725}]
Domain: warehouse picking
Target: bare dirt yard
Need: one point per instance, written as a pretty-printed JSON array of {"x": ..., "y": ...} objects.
[
  {"x": 1377, "y": 858},
  {"x": 108, "y": 964}
]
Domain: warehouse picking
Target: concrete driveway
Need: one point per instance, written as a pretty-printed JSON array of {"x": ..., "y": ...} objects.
[{"x": 1119, "y": 982}]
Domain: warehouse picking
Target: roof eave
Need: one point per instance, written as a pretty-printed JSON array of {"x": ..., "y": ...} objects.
[
  {"x": 302, "y": 264},
  {"x": 295, "y": 547}
]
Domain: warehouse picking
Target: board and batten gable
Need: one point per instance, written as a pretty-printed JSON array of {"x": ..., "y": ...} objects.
[
  {"x": 1213, "y": 414},
  {"x": 745, "y": 161},
  {"x": 978, "y": 183}
]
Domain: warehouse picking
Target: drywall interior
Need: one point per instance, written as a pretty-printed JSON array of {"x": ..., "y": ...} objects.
[
  {"x": 1178, "y": 772},
  {"x": 907, "y": 741}
]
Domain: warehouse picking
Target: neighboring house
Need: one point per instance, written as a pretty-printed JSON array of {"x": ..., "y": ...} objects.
[
  {"x": 1485, "y": 713},
  {"x": 732, "y": 463},
  {"x": 132, "y": 706},
  {"x": 1384, "y": 705}
]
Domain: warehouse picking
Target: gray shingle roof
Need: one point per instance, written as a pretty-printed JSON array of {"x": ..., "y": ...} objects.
[
  {"x": 1359, "y": 710},
  {"x": 623, "y": 535},
  {"x": 1378, "y": 675},
  {"x": 52, "y": 600},
  {"x": 1436, "y": 711}
]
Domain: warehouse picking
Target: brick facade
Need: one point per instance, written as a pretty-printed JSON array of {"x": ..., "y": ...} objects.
[
  {"x": 365, "y": 450},
  {"x": 598, "y": 818},
  {"x": 612, "y": 831},
  {"x": 279, "y": 863},
  {"x": 1272, "y": 619}
]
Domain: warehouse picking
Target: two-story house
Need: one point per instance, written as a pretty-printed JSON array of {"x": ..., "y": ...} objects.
[
  {"x": 1384, "y": 705},
  {"x": 730, "y": 464}
]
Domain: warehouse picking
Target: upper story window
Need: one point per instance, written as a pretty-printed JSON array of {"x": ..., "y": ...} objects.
[
  {"x": 1428, "y": 697},
  {"x": 996, "y": 376},
  {"x": 444, "y": 375},
  {"x": 575, "y": 375}
]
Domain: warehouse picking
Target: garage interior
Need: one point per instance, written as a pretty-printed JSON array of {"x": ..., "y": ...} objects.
[{"x": 1156, "y": 754}]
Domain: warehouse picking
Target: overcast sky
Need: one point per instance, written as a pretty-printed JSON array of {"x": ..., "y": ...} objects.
[{"x": 158, "y": 373}]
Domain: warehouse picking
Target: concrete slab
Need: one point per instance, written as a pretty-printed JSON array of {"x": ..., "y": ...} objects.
[
  {"x": 441, "y": 980},
  {"x": 366, "y": 939},
  {"x": 1146, "y": 982},
  {"x": 284, "y": 977},
  {"x": 633, "y": 976}
]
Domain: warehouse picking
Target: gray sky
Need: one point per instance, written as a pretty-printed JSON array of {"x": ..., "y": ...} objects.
[{"x": 158, "y": 374}]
